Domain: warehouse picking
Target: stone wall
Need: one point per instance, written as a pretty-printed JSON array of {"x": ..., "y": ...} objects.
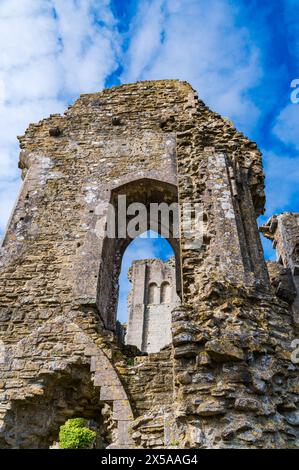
[
  {"x": 230, "y": 378},
  {"x": 283, "y": 230},
  {"x": 149, "y": 382}
]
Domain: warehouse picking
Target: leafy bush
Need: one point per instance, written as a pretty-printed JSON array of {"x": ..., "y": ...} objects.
[{"x": 75, "y": 435}]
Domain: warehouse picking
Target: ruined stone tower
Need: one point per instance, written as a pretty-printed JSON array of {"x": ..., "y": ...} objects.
[
  {"x": 151, "y": 301},
  {"x": 283, "y": 230},
  {"x": 227, "y": 379}
]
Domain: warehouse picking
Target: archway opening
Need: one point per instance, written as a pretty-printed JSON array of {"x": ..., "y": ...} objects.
[
  {"x": 148, "y": 276},
  {"x": 62, "y": 395},
  {"x": 136, "y": 197},
  {"x": 165, "y": 292}
]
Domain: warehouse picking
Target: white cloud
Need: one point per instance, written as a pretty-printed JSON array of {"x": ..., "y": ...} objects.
[
  {"x": 145, "y": 40},
  {"x": 51, "y": 51},
  {"x": 186, "y": 39},
  {"x": 286, "y": 126},
  {"x": 282, "y": 176},
  {"x": 8, "y": 192},
  {"x": 88, "y": 50}
]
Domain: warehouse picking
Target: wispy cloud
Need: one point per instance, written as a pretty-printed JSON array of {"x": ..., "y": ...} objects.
[
  {"x": 282, "y": 176},
  {"x": 186, "y": 39},
  {"x": 286, "y": 126},
  {"x": 8, "y": 194},
  {"x": 51, "y": 51}
]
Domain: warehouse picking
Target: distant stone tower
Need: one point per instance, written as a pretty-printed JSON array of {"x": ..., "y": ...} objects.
[{"x": 151, "y": 301}]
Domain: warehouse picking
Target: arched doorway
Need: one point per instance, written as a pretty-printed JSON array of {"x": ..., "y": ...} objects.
[
  {"x": 156, "y": 205},
  {"x": 165, "y": 292},
  {"x": 35, "y": 422},
  {"x": 148, "y": 272},
  {"x": 67, "y": 386}
]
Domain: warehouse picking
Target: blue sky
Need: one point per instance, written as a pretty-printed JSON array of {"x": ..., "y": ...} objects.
[{"x": 240, "y": 55}]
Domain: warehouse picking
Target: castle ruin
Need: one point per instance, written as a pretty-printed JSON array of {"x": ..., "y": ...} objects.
[
  {"x": 152, "y": 299},
  {"x": 227, "y": 379}
]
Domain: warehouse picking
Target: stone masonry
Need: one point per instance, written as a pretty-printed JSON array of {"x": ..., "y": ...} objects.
[
  {"x": 227, "y": 380},
  {"x": 283, "y": 230},
  {"x": 151, "y": 301}
]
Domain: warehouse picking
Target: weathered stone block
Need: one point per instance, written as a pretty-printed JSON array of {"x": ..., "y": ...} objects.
[
  {"x": 184, "y": 378},
  {"x": 107, "y": 378},
  {"x": 122, "y": 410},
  {"x": 123, "y": 434},
  {"x": 189, "y": 350},
  {"x": 222, "y": 350},
  {"x": 112, "y": 392},
  {"x": 210, "y": 408},
  {"x": 247, "y": 404}
]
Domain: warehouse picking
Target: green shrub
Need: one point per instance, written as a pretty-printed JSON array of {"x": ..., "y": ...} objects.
[{"x": 75, "y": 435}]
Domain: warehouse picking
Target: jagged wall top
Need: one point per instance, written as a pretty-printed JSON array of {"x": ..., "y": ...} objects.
[{"x": 144, "y": 106}]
